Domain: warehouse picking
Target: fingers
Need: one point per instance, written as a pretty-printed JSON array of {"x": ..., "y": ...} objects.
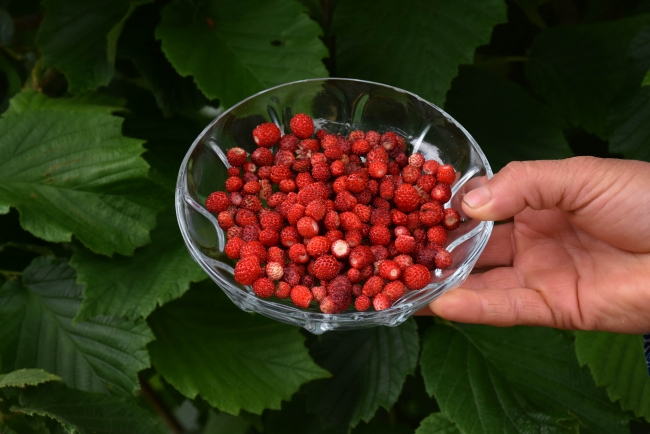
[
  {"x": 535, "y": 184},
  {"x": 497, "y": 307},
  {"x": 500, "y": 249}
]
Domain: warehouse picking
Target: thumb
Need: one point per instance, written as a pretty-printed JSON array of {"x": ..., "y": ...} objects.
[{"x": 535, "y": 184}]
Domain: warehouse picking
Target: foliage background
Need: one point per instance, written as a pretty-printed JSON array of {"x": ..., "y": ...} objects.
[{"x": 107, "y": 326}]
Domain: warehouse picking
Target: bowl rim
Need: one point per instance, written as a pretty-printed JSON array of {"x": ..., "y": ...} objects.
[{"x": 318, "y": 322}]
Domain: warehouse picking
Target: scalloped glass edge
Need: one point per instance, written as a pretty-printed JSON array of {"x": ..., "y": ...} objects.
[{"x": 316, "y": 322}]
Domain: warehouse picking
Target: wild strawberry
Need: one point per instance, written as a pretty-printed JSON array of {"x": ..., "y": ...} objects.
[
  {"x": 321, "y": 172},
  {"x": 318, "y": 246},
  {"x": 295, "y": 213},
  {"x": 373, "y": 137},
  {"x": 356, "y": 135},
  {"x": 450, "y": 219},
  {"x": 394, "y": 168},
  {"x": 381, "y": 302},
  {"x": 360, "y": 257},
  {"x": 389, "y": 270},
  {"x": 416, "y": 160},
  {"x": 274, "y": 270},
  {"x": 430, "y": 167},
  {"x": 307, "y": 227},
  {"x": 426, "y": 183},
  {"x": 398, "y": 217},
  {"x": 217, "y": 202},
  {"x": 233, "y": 232},
  {"x": 380, "y": 203},
  {"x": 403, "y": 261},
  {"x": 326, "y": 267},
  {"x": 400, "y": 159},
  {"x": 349, "y": 221},
  {"x": 275, "y": 254},
  {"x": 328, "y": 306},
  {"x": 291, "y": 276},
  {"x": 333, "y": 152},
  {"x": 266, "y": 135},
  {"x": 364, "y": 198},
  {"x": 271, "y": 220},
  {"x": 431, "y": 213},
  {"x": 340, "y": 291},
  {"x": 302, "y": 126},
  {"x": 251, "y": 187},
  {"x": 276, "y": 199},
  {"x": 282, "y": 290},
  {"x": 278, "y": 173},
  {"x": 377, "y": 169},
  {"x": 426, "y": 257},
  {"x": 301, "y": 165},
  {"x": 234, "y": 184},
  {"x": 225, "y": 220},
  {"x": 253, "y": 248},
  {"x": 446, "y": 174},
  {"x": 301, "y": 295},
  {"x": 387, "y": 189},
  {"x": 410, "y": 174},
  {"x": 337, "y": 168},
  {"x": 304, "y": 179},
  {"x": 441, "y": 193},
  {"x": 354, "y": 275},
  {"x": 269, "y": 237},
  {"x": 373, "y": 286},
  {"x": 233, "y": 247},
  {"x": 437, "y": 235},
  {"x": 406, "y": 198},
  {"x": 287, "y": 185},
  {"x": 289, "y": 236},
  {"x": 328, "y": 141},
  {"x": 319, "y": 293},
  {"x": 236, "y": 156},
  {"x": 362, "y": 303},
  {"x": 333, "y": 235},
  {"x": 379, "y": 253},
  {"x": 379, "y": 235},
  {"x": 263, "y": 287},
  {"x": 250, "y": 232},
  {"x": 380, "y": 217},
  {"x": 363, "y": 212},
  {"x": 318, "y": 158},
  {"x": 340, "y": 249},
  {"x": 443, "y": 259},
  {"x": 405, "y": 244},
  {"x": 401, "y": 230},
  {"x": 249, "y": 169},
  {"x": 353, "y": 237},
  {"x": 420, "y": 236},
  {"x": 233, "y": 171},
  {"x": 247, "y": 270},
  {"x": 413, "y": 221},
  {"x": 264, "y": 172},
  {"x": 288, "y": 142},
  {"x": 416, "y": 277},
  {"x": 360, "y": 147},
  {"x": 331, "y": 220},
  {"x": 357, "y": 181},
  {"x": 308, "y": 280},
  {"x": 307, "y": 147},
  {"x": 251, "y": 203},
  {"x": 393, "y": 290},
  {"x": 344, "y": 201},
  {"x": 262, "y": 157},
  {"x": 320, "y": 134},
  {"x": 235, "y": 198},
  {"x": 388, "y": 140}
]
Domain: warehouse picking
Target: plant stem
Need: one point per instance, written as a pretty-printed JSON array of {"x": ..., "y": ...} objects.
[{"x": 159, "y": 406}]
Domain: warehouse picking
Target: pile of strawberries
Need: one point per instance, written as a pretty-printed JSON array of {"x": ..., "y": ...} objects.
[{"x": 347, "y": 220}]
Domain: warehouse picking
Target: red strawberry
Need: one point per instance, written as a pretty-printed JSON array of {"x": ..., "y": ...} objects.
[
  {"x": 291, "y": 276},
  {"x": 307, "y": 227},
  {"x": 302, "y": 126},
  {"x": 247, "y": 270},
  {"x": 416, "y": 277},
  {"x": 340, "y": 249},
  {"x": 378, "y": 169},
  {"x": 450, "y": 219},
  {"x": 441, "y": 193},
  {"x": 295, "y": 213},
  {"x": 430, "y": 167},
  {"x": 350, "y": 221},
  {"x": 274, "y": 270},
  {"x": 381, "y": 302},
  {"x": 353, "y": 237},
  {"x": 289, "y": 236},
  {"x": 282, "y": 290},
  {"x": 360, "y": 257},
  {"x": 262, "y": 157},
  {"x": 217, "y": 202},
  {"x": 331, "y": 220},
  {"x": 398, "y": 217},
  {"x": 406, "y": 198},
  {"x": 393, "y": 290},
  {"x": 360, "y": 147},
  {"x": 379, "y": 235},
  {"x": 266, "y": 135},
  {"x": 250, "y": 233},
  {"x": 276, "y": 199},
  {"x": 426, "y": 183},
  {"x": 234, "y": 183},
  {"x": 326, "y": 267},
  {"x": 437, "y": 235},
  {"x": 373, "y": 286},
  {"x": 362, "y": 303},
  {"x": 288, "y": 142},
  {"x": 431, "y": 213},
  {"x": 446, "y": 174},
  {"x": 410, "y": 174},
  {"x": 236, "y": 156},
  {"x": 301, "y": 296},
  {"x": 387, "y": 189},
  {"x": 373, "y": 137},
  {"x": 328, "y": 306},
  {"x": 318, "y": 246},
  {"x": 403, "y": 261},
  {"x": 233, "y": 247},
  {"x": 251, "y": 187},
  {"x": 225, "y": 220},
  {"x": 278, "y": 173},
  {"x": 319, "y": 293},
  {"x": 389, "y": 270},
  {"x": 416, "y": 160},
  {"x": 443, "y": 259},
  {"x": 316, "y": 210},
  {"x": 275, "y": 254},
  {"x": 357, "y": 181},
  {"x": 263, "y": 287},
  {"x": 253, "y": 248}
]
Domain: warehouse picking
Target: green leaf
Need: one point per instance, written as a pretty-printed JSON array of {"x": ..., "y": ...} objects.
[
  {"x": 646, "y": 80},
  {"x": 79, "y": 38},
  {"x": 437, "y": 423},
  {"x": 618, "y": 363},
  {"x": 513, "y": 380},
  {"x": 30, "y": 100},
  {"x": 506, "y": 121},
  {"x": 205, "y": 345},
  {"x": 137, "y": 43},
  {"x": 84, "y": 412},
  {"x": 26, "y": 377},
  {"x": 234, "y": 49},
  {"x": 583, "y": 70},
  {"x": 132, "y": 287},
  {"x": 6, "y": 27},
  {"x": 369, "y": 367},
  {"x": 632, "y": 135},
  {"x": 419, "y": 47},
  {"x": 100, "y": 355},
  {"x": 71, "y": 172}
]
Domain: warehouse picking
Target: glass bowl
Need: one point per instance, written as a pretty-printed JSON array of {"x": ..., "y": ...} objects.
[{"x": 338, "y": 106}]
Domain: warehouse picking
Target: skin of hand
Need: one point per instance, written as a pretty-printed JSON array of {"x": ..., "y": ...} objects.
[{"x": 575, "y": 256}]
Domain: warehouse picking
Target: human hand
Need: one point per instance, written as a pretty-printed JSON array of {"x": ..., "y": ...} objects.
[{"x": 576, "y": 256}]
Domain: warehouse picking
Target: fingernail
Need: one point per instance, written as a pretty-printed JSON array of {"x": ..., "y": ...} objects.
[{"x": 477, "y": 197}]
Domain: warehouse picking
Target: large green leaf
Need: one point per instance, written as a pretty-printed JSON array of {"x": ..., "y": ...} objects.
[
  {"x": 86, "y": 413},
  {"x": 437, "y": 423},
  {"x": 632, "y": 134},
  {"x": 507, "y": 122},
  {"x": 514, "y": 380},
  {"x": 79, "y": 37},
  {"x": 26, "y": 377},
  {"x": 369, "y": 367},
  {"x": 618, "y": 363},
  {"x": 205, "y": 345},
  {"x": 234, "y": 49},
  {"x": 88, "y": 102},
  {"x": 100, "y": 355},
  {"x": 582, "y": 71},
  {"x": 646, "y": 80},
  {"x": 417, "y": 46},
  {"x": 132, "y": 287},
  {"x": 71, "y": 172}
]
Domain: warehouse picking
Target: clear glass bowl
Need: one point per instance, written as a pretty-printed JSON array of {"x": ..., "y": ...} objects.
[{"x": 338, "y": 106}]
